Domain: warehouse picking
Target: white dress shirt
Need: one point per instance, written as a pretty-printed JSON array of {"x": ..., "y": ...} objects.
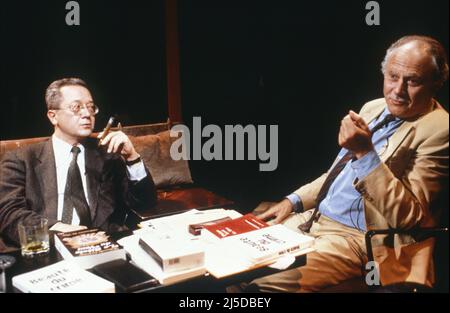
[{"x": 63, "y": 157}]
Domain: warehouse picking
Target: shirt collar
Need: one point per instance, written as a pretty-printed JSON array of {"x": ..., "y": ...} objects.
[
  {"x": 63, "y": 149},
  {"x": 386, "y": 112}
]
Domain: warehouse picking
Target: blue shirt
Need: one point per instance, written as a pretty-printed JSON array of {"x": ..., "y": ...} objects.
[{"x": 343, "y": 203}]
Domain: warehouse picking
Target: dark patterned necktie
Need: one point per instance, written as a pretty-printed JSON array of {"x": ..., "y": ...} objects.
[
  {"x": 335, "y": 171},
  {"x": 74, "y": 194}
]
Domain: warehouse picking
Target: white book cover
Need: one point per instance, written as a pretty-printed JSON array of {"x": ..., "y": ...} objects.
[
  {"x": 62, "y": 277},
  {"x": 143, "y": 260},
  {"x": 264, "y": 244},
  {"x": 172, "y": 253}
]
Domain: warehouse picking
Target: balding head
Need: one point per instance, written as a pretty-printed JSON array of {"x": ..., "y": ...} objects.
[
  {"x": 420, "y": 47},
  {"x": 414, "y": 69}
]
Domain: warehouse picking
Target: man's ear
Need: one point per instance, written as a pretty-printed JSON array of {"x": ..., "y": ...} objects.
[{"x": 51, "y": 114}]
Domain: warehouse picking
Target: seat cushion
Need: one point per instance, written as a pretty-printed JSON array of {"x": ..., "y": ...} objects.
[{"x": 155, "y": 152}]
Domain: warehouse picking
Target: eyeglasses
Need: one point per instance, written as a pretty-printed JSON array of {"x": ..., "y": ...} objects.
[{"x": 77, "y": 106}]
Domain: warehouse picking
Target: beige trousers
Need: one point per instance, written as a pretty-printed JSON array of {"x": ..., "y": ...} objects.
[{"x": 340, "y": 255}]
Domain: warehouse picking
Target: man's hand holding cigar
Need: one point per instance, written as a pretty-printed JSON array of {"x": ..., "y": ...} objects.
[{"x": 118, "y": 142}]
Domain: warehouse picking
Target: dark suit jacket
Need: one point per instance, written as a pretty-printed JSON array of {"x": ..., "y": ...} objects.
[{"x": 28, "y": 188}]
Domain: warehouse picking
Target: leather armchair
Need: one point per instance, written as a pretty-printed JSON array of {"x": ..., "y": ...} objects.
[{"x": 440, "y": 258}]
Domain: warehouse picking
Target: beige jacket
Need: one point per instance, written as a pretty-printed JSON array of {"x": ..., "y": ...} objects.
[{"x": 400, "y": 192}]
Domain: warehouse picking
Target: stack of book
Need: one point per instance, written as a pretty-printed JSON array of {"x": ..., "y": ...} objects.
[
  {"x": 169, "y": 248},
  {"x": 171, "y": 253},
  {"x": 150, "y": 264}
]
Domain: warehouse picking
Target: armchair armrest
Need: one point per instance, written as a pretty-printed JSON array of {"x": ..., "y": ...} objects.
[{"x": 422, "y": 233}]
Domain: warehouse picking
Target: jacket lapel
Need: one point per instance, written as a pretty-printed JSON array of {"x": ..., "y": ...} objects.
[
  {"x": 94, "y": 165},
  {"x": 402, "y": 132},
  {"x": 396, "y": 139},
  {"x": 46, "y": 173}
]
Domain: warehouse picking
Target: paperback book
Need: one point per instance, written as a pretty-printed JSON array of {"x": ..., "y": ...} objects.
[
  {"x": 88, "y": 247},
  {"x": 62, "y": 277}
]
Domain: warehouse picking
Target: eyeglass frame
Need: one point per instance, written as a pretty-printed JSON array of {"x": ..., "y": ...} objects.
[{"x": 80, "y": 106}]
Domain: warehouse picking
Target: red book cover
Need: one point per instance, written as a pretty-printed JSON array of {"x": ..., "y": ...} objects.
[{"x": 236, "y": 226}]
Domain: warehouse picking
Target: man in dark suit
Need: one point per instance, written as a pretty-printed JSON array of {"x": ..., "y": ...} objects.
[{"x": 69, "y": 179}]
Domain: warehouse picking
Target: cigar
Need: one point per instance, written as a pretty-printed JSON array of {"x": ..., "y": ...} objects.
[{"x": 106, "y": 129}]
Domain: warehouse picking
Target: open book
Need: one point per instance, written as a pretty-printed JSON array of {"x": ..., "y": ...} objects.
[
  {"x": 264, "y": 244},
  {"x": 247, "y": 242}
]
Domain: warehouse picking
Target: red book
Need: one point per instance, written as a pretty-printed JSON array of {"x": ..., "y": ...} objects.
[{"x": 236, "y": 226}]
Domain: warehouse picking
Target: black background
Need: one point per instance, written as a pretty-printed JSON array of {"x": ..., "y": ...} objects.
[{"x": 297, "y": 64}]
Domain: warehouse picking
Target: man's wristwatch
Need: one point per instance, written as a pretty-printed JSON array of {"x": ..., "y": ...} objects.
[{"x": 137, "y": 160}]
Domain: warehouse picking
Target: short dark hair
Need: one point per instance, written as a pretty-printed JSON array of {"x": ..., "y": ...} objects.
[
  {"x": 434, "y": 48},
  {"x": 53, "y": 96}
]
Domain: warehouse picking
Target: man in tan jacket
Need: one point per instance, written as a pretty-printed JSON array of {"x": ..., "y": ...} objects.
[{"x": 392, "y": 167}]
